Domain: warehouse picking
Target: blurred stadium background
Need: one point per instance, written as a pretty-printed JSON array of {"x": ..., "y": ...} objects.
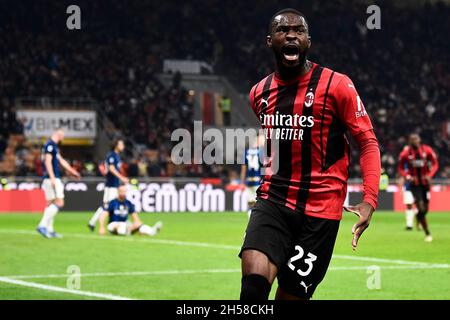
[{"x": 140, "y": 70}]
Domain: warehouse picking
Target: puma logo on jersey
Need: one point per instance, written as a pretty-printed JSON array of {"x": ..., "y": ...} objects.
[
  {"x": 264, "y": 101},
  {"x": 305, "y": 286}
]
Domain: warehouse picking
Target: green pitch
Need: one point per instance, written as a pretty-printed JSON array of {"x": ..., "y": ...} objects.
[{"x": 195, "y": 257}]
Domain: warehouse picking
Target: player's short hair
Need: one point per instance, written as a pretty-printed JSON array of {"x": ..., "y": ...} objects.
[
  {"x": 286, "y": 10},
  {"x": 115, "y": 143}
]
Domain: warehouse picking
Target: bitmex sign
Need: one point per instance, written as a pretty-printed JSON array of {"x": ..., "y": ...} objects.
[{"x": 76, "y": 124}]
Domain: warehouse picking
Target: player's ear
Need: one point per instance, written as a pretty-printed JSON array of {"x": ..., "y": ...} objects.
[
  {"x": 269, "y": 41},
  {"x": 309, "y": 42}
]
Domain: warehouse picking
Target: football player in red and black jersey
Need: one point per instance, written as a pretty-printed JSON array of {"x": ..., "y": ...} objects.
[
  {"x": 305, "y": 111},
  {"x": 418, "y": 164}
]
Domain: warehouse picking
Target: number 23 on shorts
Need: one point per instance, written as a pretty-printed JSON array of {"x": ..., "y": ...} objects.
[{"x": 310, "y": 258}]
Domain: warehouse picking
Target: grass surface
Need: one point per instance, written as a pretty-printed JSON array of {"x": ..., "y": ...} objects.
[{"x": 195, "y": 257}]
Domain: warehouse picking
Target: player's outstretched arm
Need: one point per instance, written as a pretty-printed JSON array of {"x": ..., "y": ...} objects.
[
  {"x": 352, "y": 112},
  {"x": 68, "y": 167},
  {"x": 370, "y": 163}
]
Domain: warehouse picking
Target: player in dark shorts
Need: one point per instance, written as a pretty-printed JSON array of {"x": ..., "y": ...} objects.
[
  {"x": 305, "y": 111},
  {"x": 418, "y": 164}
]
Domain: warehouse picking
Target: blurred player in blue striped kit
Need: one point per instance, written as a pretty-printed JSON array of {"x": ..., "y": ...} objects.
[
  {"x": 118, "y": 211},
  {"x": 251, "y": 171},
  {"x": 113, "y": 179},
  {"x": 52, "y": 184}
]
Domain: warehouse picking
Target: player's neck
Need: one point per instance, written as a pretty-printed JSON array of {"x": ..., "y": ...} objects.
[{"x": 287, "y": 74}]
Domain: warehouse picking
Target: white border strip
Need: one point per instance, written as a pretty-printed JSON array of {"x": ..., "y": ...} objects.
[{"x": 59, "y": 289}]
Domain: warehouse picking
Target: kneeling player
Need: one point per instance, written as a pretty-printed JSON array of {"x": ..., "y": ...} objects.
[{"x": 118, "y": 210}]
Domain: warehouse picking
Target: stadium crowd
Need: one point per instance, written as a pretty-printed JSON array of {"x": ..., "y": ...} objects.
[{"x": 401, "y": 71}]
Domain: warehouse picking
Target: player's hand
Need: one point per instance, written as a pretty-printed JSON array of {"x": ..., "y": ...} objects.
[
  {"x": 53, "y": 182},
  {"x": 125, "y": 180},
  {"x": 76, "y": 174},
  {"x": 364, "y": 211},
  {"x": 102, "y": 231},
  {"x": 428, "y": 179}
]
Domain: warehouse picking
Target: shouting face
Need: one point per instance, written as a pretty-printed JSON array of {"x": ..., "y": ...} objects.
[{"x": 289, "y": 39}]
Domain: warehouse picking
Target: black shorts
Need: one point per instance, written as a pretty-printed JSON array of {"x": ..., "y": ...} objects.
[
  {"x": 421, "y": 193},
  {"x": 299, "y": 245}
]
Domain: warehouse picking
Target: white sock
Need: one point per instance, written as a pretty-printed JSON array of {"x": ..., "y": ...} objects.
[
  {"x": 96, "y": 216},
  {"x": 48, "y": 217},
  {"x": 147, "y": 230},
  {"x": 409, "y": 218}
]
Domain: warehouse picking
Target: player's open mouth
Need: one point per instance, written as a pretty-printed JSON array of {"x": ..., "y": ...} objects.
[{"x": 291, "y": 52}]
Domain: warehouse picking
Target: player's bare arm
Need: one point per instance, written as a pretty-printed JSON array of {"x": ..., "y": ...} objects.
[
  {"x": 68, "y": 167},
  {"x": 243, "y": 172},
  {"x": 114, "y": 171},
  {"x": 136, "y": 221}
]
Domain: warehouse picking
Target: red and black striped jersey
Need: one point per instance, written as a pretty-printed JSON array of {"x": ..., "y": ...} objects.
[
  {"x": 417, "y": 164},
  {"x": 304, "y": 122}
]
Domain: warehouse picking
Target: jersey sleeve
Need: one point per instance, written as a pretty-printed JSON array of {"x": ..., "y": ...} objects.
[
  {"x": 252, "y": 100},
  {"x": 370, "y": 163},
  {"x": 111, "y": 160},
  {"x": 401, "y": 168},
  {"x": 352, "y": 113},
  {"x": 350, "y": 108},
  {"x": 50, "y": 149},
  {"x": 432, "y": 158}
]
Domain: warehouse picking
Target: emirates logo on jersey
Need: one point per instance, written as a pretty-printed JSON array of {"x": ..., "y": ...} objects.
[{"x": 309, "y": 99}]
